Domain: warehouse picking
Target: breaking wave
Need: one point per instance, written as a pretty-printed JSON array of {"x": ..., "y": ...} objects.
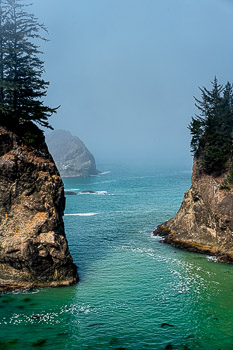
[
  {"x": 101, "y": 192},
  {"x": 212, "y": 258}
]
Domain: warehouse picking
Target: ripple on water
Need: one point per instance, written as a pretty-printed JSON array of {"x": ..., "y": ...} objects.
[{"x": 132, "y": 287}]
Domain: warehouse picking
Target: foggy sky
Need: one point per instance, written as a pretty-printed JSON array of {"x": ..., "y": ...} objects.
[{"x": 125, "y": 71}]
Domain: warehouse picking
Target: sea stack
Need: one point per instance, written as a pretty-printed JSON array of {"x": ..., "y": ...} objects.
[
  {"x": 33, "y": 246},
  {"x": 204, "y": 222},
  {"x": 70, "y": 154}
]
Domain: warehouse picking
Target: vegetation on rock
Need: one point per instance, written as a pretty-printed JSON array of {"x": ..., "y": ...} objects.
[
  {"x": 212, "y": 129},
  {"x": 228, "y": 182},
  {"x": 21, "y": 68}
]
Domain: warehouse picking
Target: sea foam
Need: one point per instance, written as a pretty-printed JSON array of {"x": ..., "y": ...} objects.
[
  {"x": 82, "y": 214},
  {"x": 105, "y": 172},
  {"x": 101, "y": 192}
]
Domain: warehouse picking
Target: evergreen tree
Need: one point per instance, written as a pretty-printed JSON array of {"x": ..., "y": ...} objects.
[
  {"x": 2, "y": 53},
  {"x": 22, "y": 87},
  {"x": 212, "y": 130},
  {"x": 196, "y": 130}
]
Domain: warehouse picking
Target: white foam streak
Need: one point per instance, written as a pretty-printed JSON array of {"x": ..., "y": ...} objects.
[
  {"x": 105, "y": 172},
  {"x": 101, "y": 192},
  {"x": 82, "y": 214},
  {"x": 212, "y": 258}
]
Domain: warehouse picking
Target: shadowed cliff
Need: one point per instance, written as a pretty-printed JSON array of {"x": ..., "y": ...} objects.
[
  {"x": 33, "y": 246},
  {"x": 70, "y": 154}
]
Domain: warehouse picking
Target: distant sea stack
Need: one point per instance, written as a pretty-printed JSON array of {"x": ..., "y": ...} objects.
[
  {"x": 71, "y": 155},
  {"x": 33, "y": 246},
  {"x": 204, "y": 222}
]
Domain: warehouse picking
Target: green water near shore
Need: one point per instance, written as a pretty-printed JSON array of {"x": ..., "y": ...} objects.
[{"x": 134, "y": 292}]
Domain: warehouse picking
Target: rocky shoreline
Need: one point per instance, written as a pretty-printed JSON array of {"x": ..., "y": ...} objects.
[
  {"x": 204, "y": 222},
  {"x": 168, "y": 237}
]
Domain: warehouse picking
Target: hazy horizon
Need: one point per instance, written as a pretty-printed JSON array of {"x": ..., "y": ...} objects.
[{"x": 125, "y": 72}]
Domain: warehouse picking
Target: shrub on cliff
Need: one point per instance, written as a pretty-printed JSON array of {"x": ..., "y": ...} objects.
[
  {"x": 212, "y": 129},
  {"x": 21, "y": 68}
]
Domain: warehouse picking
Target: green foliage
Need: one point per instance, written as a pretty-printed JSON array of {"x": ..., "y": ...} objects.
[
  {"x": 212, "y": 130},
  {"x": 30, "y": 138},
  {"x": 230, "y": 178},
  {"x": 22, "y": 87},
  {"x": 225, "y": 187},
  {"x": 228, "y": 182}
]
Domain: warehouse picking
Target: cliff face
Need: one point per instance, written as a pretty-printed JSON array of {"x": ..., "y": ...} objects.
[
  {"x": 204, "y": 222},
  {"x": 71, "y": 155},
  {"x": 33, "y": 246}
]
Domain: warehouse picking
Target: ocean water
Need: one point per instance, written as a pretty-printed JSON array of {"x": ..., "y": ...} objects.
[{"x": 134, "y": 291}]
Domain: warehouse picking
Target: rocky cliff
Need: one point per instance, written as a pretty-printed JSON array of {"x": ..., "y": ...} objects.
[
  {"x": 204, "y": 222},
  {"x": 71, "y": 155},
  {"x": 33, "y": 245}
]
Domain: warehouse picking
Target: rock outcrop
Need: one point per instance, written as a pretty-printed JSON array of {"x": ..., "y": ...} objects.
[
  {"x": 204, "y": 222},
  {"x": 33, "y": 246},
  {"x": 71, "y": 155}
]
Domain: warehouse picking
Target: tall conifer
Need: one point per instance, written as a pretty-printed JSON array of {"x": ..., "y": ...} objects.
[
  {"x": 212, "y": 130},
  {"x": 22, "y": 87}
]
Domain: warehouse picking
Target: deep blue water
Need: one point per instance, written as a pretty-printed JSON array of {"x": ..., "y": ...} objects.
[{"x": 131, "y": 285}]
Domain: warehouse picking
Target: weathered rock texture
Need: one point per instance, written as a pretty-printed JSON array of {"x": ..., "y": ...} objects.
[
  {"x": 33, "y": 245},
  {"x": 204, "y": 222},
  {"x": 71, "y": 155}
]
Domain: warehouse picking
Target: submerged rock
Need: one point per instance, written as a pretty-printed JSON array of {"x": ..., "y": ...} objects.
[
  {"x": 39, "y": 343},
  {"x": 70, "y": 154},
  {"x": 70, "y": 193},
  {"x": 95, "y": 324},
  {"x": 204, "y": 222},
  {"x": 33, "y": 246},
  {"x": 166, "y": 325}
]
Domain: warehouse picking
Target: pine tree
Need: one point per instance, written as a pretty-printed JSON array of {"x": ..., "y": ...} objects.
[
  {"x": 196, "y": 130},
  {"x": 22, "y": 87},
  {"x": 2, "y": 54},
  {"x": 212, "y": 130}
]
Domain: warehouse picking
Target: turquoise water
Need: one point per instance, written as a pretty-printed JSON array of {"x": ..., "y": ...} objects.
[{"x": 134, "y": 292}]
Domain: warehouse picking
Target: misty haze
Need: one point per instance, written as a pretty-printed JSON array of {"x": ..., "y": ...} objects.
[{"x": 125, "y": 72}]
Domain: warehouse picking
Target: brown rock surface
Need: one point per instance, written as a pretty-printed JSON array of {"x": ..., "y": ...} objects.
[
  {"x": 33, "y": 245},
  {"x": 204, "y": 222}
]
